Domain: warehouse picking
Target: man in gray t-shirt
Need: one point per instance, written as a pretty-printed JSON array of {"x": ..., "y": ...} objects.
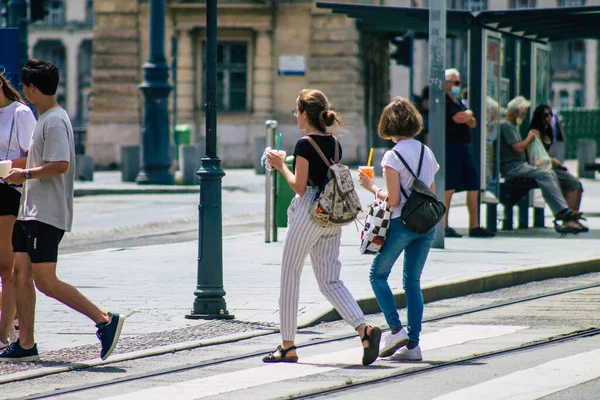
[
  {"x": 509, "y": 158},
  {"x": 45, "y": 213},
  {"x": 50, "y": 200}
]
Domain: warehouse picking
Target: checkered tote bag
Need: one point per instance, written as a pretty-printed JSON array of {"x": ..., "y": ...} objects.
[{"x": 376, "y": 227}]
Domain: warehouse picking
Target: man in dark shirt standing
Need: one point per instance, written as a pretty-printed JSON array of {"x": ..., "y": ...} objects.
[{"x": 461, "y": 174}]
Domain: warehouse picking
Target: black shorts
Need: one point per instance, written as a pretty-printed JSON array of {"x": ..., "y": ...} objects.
[
  {"x": 9, "y": 200},
  {"x": 460, "y": 171},
  {"x": 37, "y": 239}
]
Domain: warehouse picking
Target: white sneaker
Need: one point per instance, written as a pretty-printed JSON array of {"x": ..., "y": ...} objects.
[
  {"x": 407, "y": 354},
  {"x": 393, "y": 342}
]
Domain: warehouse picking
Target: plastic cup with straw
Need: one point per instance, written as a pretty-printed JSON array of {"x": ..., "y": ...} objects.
[
  {"x": 368, "y": 169},
  {"x": 282, "y": 153}
]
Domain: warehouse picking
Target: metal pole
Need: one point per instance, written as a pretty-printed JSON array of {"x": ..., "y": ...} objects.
[
  {"x": 17, "y": 18},
  {"x": 437, "y": 100},
  {"x": 411, "y": 77},
  {"x": 210, "y": 295},
  {"x": 155, "y": 159},
  {"x": 270, "y": 126},
  {"x": 174, "y": 48},
  {"x": 273, "y": 194}
]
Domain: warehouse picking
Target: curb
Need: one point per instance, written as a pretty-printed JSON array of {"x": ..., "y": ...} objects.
[
  {"x": 191, "y": 189},
  {"x": 156, "y": 351},
  {"x": 135, "y": 191},
  {"x": 466, "y": 287}
]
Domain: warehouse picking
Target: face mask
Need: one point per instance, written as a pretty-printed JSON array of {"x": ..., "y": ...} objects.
[
  {"x": 455, "y": 91},
  {"x": 519, "y": 120}
]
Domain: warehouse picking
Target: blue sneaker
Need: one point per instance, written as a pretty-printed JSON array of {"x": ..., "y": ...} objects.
[
  {"x": 109, "y": 333},
  {"x": 15, "y": 353}
]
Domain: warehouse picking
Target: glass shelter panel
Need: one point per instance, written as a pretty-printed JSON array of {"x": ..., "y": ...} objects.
[
  {"x": 540, "y": 74},
  {"x": 495, "y": 88}
]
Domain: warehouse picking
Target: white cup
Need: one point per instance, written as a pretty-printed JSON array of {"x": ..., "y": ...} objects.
[{"x": 5, "y": 167}]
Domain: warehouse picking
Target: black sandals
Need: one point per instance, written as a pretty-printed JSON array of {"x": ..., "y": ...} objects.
[
  {"x": 284, "y": 357},
  {"x": 371, "y": 353}
]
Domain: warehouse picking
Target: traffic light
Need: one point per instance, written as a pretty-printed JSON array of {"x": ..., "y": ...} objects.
[
  {"x": 37, "y": 9},
  {"x": 404, "y": 50}
]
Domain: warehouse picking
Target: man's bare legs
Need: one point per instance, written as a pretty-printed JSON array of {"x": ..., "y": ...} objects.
[
  {"x": 6, "y": 267},
  {"x": 25, "y": 296},
  {"x": 44, "y": 276},
  {"x": 473, "y": 207}
]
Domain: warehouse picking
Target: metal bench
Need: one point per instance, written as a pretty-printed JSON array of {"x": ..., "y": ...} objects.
[{"x": 516, "y": 191}]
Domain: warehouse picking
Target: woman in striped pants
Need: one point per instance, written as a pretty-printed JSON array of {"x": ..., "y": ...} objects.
[{"x": 304, "y": 237}]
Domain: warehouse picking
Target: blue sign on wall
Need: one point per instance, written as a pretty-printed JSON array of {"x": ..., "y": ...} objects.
[{"x": 9, "y": 56}]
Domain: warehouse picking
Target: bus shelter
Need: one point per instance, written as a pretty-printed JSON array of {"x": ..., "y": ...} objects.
[{"x": 509, "y": 55}]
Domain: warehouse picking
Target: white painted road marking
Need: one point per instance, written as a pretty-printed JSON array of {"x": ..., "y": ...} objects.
[
  {"x": 536, "y": 382},
  {"x": 253, "y": 377}
]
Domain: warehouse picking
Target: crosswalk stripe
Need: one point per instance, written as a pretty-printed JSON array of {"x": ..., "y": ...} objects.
[
  {"x": 536, "y": 382},
  {"x": 253, "y": 377}
]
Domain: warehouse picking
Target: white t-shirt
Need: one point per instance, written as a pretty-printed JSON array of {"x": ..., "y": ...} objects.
[
  {"x": 24, "y": 123},
  {"x": 410, "y": 150}
]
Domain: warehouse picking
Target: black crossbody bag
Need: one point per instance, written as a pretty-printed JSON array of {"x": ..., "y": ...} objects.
[{"x": 422, "y": 210}]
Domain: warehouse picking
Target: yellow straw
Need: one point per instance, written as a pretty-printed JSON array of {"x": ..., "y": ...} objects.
[{"x": 370, "y": 157}]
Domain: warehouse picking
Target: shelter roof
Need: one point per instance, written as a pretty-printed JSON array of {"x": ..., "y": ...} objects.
[{"x": 542, "y": 24}]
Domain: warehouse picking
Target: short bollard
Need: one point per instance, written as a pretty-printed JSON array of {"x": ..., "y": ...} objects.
[
  {"x": 84, "y": 168},
  {"x": 130, "y": 162},
  {"x": 188, "y": 164},
  {"x": 586, "y": 153}
]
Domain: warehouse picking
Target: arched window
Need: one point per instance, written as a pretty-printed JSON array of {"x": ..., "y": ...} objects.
[
  {"x": 54, "y": 52},
  {"x": 56, "y": 13}
]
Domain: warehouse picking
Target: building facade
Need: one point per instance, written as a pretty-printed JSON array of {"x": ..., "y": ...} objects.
[
  {"x": 65, "y": 39},
  {"x": 268, "y": 51}
]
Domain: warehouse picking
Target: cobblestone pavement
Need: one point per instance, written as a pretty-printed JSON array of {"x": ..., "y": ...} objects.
[{"x": 205, "y": 330}]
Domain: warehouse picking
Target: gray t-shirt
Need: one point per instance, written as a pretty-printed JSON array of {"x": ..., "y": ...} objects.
[
  {"x": 508, "y": 157},
  {"x": 50, "y": 200}
]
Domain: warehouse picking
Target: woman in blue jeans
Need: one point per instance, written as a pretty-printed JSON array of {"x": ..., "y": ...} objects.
[{"x": 401, "y": 122}]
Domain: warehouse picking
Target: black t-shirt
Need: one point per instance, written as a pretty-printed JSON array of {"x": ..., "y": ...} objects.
[
  {"x": 456, "y": 133},
  {"x": 317, "y": 169}
]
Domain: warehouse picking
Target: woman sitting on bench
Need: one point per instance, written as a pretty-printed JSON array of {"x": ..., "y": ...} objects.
[
  {"x": 570, "y": 186},
  {"x": 513, "y": 164}
]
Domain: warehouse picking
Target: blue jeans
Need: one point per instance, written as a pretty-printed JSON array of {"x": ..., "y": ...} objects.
[{"x": 400, "y": 238}]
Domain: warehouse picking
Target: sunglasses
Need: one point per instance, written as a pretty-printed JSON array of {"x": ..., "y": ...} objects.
[
  {"x": 295, "y": 112},
  {"x": 457, "y": 82},
  {"x": 546, "y": 115}
]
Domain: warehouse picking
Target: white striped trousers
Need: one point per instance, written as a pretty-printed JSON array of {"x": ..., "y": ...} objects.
[{"x": 303, "y": 238}]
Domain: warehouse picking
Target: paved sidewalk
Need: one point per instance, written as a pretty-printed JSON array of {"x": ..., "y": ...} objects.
[{"x": 154, "y": 285}]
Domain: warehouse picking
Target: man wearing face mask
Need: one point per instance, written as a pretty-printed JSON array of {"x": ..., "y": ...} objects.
[
  {"x": 513, "y": 163},
  {"x": 461, "y": 174}
]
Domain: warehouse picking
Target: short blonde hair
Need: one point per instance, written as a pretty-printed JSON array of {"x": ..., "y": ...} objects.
[{"x": 517, "y": 104}]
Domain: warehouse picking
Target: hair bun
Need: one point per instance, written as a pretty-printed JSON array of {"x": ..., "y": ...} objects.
[{"x": 328, "y": 117}]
